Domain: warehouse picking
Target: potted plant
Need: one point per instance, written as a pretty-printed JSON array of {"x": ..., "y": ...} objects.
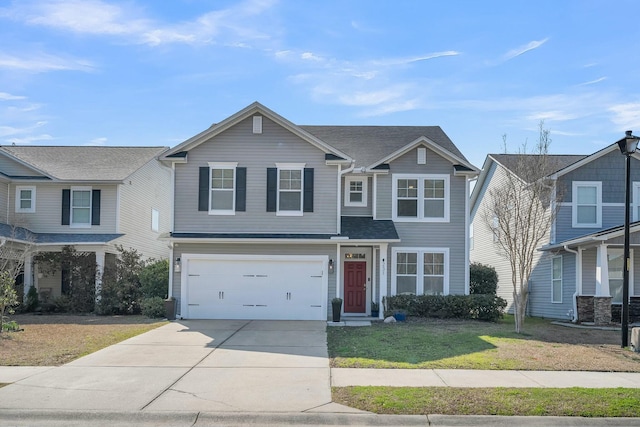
[
  {"x": 336, "y": 305},
  {"x": 400, "y": 315},
  {"x": 375, "y": 309}
]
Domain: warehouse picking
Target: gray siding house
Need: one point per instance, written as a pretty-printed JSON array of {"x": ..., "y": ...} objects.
[
  {"x": 92, "y": 198},
  {"x": 271, "y": 220},
  {"x": 580, "y": 262}
]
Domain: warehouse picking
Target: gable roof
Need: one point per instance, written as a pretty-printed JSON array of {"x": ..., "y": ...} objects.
[
  {"x": 255, "y": 108},
  {"x": 510, "y": 161},
  {"x": 371, "y": 145},
  {"x": 91, "y": 163},
  {"x": 554, "y": 163}
]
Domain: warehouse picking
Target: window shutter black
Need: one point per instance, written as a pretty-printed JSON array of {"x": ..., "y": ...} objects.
[
  {"x": 307, "y": 197},
  {"x": 272, "y": 189},
  {"x": 66, "y": 207},
  {"x": 203, "y": 189},
  {"x": 95, "y": 207},
  {"x": 241, "y": 189}
]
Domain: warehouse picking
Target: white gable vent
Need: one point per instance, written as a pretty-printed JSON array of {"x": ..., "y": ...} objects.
[
  {"x": 422, "y": 156},
  {"x": 257, "y": 124}
]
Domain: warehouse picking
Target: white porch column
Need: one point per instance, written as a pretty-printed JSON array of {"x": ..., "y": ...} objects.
[
  {"x": 337, "y": 271},
  {"x": 382, "y": 267},
  {"x": 28, "y": 274},
  {"x": 99, "y": 272},
  {"x": 602, "y": 272}
]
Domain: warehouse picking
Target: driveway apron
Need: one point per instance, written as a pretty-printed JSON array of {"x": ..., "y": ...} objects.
[{"x": 191, "y": 365}]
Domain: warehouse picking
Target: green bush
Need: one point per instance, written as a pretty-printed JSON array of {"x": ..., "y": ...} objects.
[
  {"x": 483, "y": 279},
  {"x": 153, "y": 307},
  {"x": 33, "y": 301},
  {"x": 120, "y": 292},
  {"x": 480, "y": 307},
  {"x": 154, "y": 279}
]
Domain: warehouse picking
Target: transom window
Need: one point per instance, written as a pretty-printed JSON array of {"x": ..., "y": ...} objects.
[
  {"x": 421, "y": 198},
  {"x": 25, "y": 199},
  {"x": 81, "y": 207},
  {"x": 556, "y": 279},
  {"x": 587, "y": 204},
  {"x": 223, "y": 188},
  {"x": 355, "y": 191},
  {"x": 290, "y": 187},
  {"x": 420, "y": 271}
]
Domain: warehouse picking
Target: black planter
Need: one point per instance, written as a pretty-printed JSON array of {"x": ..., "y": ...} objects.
[
  {"x": 337, "y": 308},
  {"x": 375, "y": 313}
]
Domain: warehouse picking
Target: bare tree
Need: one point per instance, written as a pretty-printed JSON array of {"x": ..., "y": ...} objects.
[
  {"x": 520, "y": 212},
  {"x": 17, "y": 245}
]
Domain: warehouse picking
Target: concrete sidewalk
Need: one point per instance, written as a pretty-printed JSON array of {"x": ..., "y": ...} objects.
[{"x": 343, "y": 377}]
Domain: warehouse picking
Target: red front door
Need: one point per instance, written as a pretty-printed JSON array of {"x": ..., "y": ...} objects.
[{"x": 355, "y": 286}]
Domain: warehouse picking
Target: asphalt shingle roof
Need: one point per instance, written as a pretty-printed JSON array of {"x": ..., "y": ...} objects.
[
  {"x": 555, "y": 162},
  {"x": 89, "y": 163},
  {"x": 366, "y": 228},
  {"x": 20, "y": 233},
  {"x": 370, "y": 144}
]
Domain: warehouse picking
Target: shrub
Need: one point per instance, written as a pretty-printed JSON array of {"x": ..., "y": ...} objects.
[
  {"x": 483, "y": 279},
  {"x": 480, "y": 307},
  {"x": 8, "y": 296},
  {"x": 120, "y": 292},
  {"x": 153, "y": 307},
  {"x": 11, "y": 326},
  {"x": 33, "y": 301},
  {"x": 154, "y": 278}
]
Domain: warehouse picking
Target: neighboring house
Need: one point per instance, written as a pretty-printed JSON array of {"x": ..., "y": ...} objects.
[
  {"x": 272, "y": 220},
  {"x": 581, "y": 261},
  {"x": 92, "y": 198}
]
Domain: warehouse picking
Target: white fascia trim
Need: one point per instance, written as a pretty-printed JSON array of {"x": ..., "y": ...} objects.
[
  {"x": 278, "y": 241},
  {"x": 585, "y": 161},
  {"x": 429, "y": 144}
]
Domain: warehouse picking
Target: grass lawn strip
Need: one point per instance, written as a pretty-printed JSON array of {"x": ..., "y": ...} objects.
[
  {"x": 58, "y": 339},
  {"x": 456, "y": 344},
  {"x": 574, "y": 402}
]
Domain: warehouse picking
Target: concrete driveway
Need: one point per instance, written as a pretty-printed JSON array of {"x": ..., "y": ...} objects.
[{"x": 195, "y": 365}]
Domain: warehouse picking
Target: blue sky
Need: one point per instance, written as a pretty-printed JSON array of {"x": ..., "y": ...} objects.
[{"x": 134, "y": 72}]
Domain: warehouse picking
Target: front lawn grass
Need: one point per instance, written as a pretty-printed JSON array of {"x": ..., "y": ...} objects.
[
  {"x": 572, "y": 402},
  {"x": 458, "y": 344},
  {"x": 51, "y": 340}
]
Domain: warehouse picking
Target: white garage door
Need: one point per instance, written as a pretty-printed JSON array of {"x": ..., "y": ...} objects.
[{"x": 254, "y": 287}]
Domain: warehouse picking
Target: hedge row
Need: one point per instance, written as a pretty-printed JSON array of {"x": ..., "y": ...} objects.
[{"x": 478, "y": 306}]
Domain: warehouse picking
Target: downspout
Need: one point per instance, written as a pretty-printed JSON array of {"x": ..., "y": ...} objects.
[{"x": 578, "y": 291}]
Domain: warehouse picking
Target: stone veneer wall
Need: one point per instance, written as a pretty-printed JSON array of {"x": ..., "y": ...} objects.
[
  {"x": 585, "y": 309},
  {"x": 602, "y": 310}
]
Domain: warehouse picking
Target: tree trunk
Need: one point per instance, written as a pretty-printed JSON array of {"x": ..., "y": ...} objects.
[{"x": 519, "y": 309}]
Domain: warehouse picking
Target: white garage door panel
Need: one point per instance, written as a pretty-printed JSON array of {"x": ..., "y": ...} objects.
[{"x": 255, "y": 289}]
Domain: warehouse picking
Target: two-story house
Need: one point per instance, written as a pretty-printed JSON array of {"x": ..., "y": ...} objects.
[
  {"x": 90, "y": 197},
  {"x": 579, "y": 266},
  {"x": 271, "y": 220}
]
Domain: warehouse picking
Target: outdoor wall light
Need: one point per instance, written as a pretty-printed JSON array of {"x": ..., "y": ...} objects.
[
  {"x": 331, "y": 266},
  {"x": 177, "y": 267}
]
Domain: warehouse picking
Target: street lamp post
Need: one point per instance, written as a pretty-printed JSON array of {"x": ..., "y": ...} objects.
[{"x": 628, "y": 146}]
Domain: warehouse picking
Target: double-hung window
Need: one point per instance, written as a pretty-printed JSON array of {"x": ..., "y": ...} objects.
[
  {"x": 355, "y": 190},
  {"x": 81, "y": 207},
  {"x": 421, "y": 198},
  {"x": 587, "y": 204},
  {"x": 556, "y": 279},
  {"x": 420, "y": 271},
  {"x": 290, "y": 186},
  {"x": 25, "y": 199},
  {"x": 223, "y": 188}
]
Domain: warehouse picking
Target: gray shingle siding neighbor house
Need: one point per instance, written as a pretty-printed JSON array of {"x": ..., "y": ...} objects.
[
  {"x": 271, "y": 220},
  {"x": 90, "y": 197},
  {"x": 581, "y": 260}
]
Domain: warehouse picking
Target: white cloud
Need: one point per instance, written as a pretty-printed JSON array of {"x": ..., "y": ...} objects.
[
  {"x": 593, "y": 81},
  {"x": 41, "y": 63},
  {"x": 402, "y": 61},
  {"x": 308, "y": 56},
  {"x": 97, "y": 142},
  {"x": 30, "y": 139},
  {"x": 627, "y": 115},
  {"x": 4, "y": 96},
  {"x": 233, "y": 26},
  {"x": 524, "y": 49}
]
